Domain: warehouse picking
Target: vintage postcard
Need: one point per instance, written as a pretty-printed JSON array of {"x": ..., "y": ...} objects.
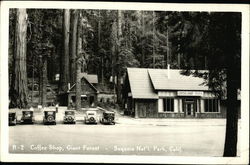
[{"x": 119, "y": 82}]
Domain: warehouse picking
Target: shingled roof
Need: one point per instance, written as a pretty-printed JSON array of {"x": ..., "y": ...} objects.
[
  {"x": 162, "y": 79},
  {"x": 92, "y": 78},
  {"x": 145, "y": 82},
  {"x": 140, "y": 83}
]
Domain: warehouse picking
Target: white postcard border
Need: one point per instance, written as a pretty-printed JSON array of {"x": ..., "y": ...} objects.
[{"x": 244, "y": 133}]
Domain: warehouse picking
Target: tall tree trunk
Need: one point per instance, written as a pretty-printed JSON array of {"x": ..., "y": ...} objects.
[
  {"x": 168, "y": 50},
  {"x": 44, "y": 81},
  {"x": 113, "y": 37},
  {"x": 99, "y": 45},
  {"x": 233, "y": 82},
  {"x": 33, "y": 76},
  {"x": 142, "y": 37},
  {"x": 18, "y": 90},
  {"x": 230, "y": 148},
  {"x": 40, "y": 78},
  {"x": 51, "y": 69},
  {"x": 153, "y": 39},
  {"x": 78, "y": 63},
  {"x": 73, "y": 47},
  {"x": 65, "y": 57},
  {"x": 118, "y": 74}
]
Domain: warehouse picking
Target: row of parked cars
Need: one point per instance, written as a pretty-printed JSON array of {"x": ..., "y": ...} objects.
[{"x": 49, "y": 117}]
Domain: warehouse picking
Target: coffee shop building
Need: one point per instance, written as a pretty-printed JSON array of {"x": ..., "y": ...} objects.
[{"x": 166, "y": 93}]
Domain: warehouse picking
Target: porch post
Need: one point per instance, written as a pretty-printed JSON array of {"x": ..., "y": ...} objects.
[
  {"x": 136, "y": 110},
  {"x": 202, "y": 105}
]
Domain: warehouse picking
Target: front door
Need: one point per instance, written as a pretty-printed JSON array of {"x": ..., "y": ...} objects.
[{"x": 189, "y": 107}]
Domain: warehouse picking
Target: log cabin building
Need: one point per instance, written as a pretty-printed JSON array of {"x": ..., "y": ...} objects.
[{"x": 166, "y": 93}]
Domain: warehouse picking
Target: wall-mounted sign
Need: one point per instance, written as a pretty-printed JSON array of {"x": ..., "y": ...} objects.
[{"x": 189, "y": 93}]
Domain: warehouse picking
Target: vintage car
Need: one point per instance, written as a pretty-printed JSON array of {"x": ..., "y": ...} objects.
[
  {"x": 91, "y": 117},
  {"x": 27, "y": 117},
  {"x": 12, "y": 118},
  {"x": 49, "y": 117},
  {"x": 108, "y": 118},
  {"x": 69, "y": 117}
]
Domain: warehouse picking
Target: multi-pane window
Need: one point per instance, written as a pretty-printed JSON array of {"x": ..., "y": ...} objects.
[
  {"x": 211, "y": 105},
  {"x": 168, "y": 104}
]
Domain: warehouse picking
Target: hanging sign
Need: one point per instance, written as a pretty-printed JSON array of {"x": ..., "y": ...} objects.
[{"x": 189, "y": 93}]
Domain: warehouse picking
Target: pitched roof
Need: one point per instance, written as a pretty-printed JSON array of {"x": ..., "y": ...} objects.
[
  {"x": 92, "y": 78},
  {"x": 140, "y": 83},
  {"x": 72, "y": 88},
  {"x": 145, "y": 82},
  {"x": 162, "y": 79}
]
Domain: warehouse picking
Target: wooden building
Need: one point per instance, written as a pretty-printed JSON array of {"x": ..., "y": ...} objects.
[
  {"x": 88, "y": 93},
  {"x": 166, "y": 93}
]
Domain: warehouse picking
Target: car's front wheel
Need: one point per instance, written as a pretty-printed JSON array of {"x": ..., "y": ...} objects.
[{"x": 50, "y": 118}]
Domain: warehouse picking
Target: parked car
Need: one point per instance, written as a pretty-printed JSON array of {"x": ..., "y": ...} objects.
[
  {"x": 91, "y": 117},
  {"x": 108, "y": 118},
  {"x": 12, "y": 118},
  {"x": 49, "y": 117},
  {"x": 27, "y": 117},
  {"x": 69, "y": 117}
]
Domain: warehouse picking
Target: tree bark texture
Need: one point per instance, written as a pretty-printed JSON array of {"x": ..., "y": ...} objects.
[
  {"x": 19, "y": 89},
  {"x": 65, "y": 57},
  {"x": 44, "y": 82},
  {"x": 78, "y": 64},
  {"x": 142, "y": 38},
  {"x": 153, "y": 39},
  {"x": 40, "y": 79},
  {"x": 99, "y": 45},
  {"x": 119, "y": 36},
  {"x": 73, "y": 48}
]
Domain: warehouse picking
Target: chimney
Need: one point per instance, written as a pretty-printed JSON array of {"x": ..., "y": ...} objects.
[{"x": 168, "y": 71}]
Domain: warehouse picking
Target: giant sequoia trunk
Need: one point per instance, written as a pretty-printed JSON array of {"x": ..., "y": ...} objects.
[
  {"x": 18, "y": 90},
  {"x": 73, "y": 48},
  {"x": 78, "y": 64},
  {"x": 65, "y": 56}
]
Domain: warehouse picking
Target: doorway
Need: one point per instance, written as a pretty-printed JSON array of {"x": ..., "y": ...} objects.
[
  {"x": 189, "y": 107},
  {"x": 91, "y": 100}
]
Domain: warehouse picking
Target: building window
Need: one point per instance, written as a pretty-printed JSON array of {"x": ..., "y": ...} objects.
[
  {"x": 168, "y": 105},
  {"x": 211, "y": 105}
]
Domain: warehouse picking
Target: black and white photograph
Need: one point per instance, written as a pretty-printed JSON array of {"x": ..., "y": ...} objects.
[{"x": 135, "y": 82}]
